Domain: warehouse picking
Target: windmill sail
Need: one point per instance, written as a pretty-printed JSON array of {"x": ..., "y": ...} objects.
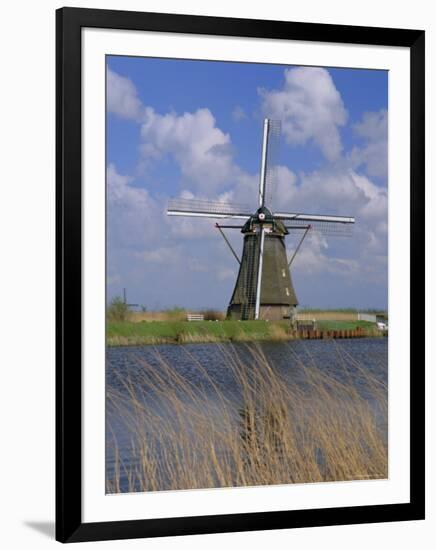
[
  {"x": 248, "y": 276},
  {"x": 259, "y": 272},
  {"x": 338, "y": 226},
  {"x": 327, "y": 229},
  {"x": 269, "y": 162},
  {"x": 268, "y": 175},
  {"x": 273, "y": 155},
  {"x": 313, "y": 218},
  {"x": 208, "y": 209}
]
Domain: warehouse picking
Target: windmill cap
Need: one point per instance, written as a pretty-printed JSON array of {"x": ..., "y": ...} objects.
[{"x": 263, "y": 213}]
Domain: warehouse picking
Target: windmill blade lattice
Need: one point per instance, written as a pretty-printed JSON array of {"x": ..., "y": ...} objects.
[
  {"x": 249, "y": 277},
  {"x": 333, "y": 229},
  {"x": 340, "y": 226},
  {"x": 209, "y": 209},
  {"x": 272, "y": 160}
]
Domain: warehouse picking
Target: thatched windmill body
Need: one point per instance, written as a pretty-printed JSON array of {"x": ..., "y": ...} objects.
[{"x": 263, "y": 288}]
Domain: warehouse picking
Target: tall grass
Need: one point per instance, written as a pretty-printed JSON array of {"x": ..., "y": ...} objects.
[{"x": 274, "y": 430}]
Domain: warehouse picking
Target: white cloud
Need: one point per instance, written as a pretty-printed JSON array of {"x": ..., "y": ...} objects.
[
  {"x": 122, "y": 97},
  {"x": 200, "y": 148},
  {"x": 173, "y": 256},
  {"x": 227, "y": 274},
  {"x": 192, "y": 228},
  {"x": 310, "y": 108},
  {"x": 244, "y": 191},
  {"x": 186, "y": 194},
  {"x": 374, "y": 207},
  {"x": 339, "y": 191},
  {"x": 162, "y": 255},
  {"x": 239, "y": 114},
  {"x": 285, "y": 190},
  {"x": 373, "y": 126},
  {"x": 313, "y": 258},
  {"x": 373, "y": 129},
  {"x": 133, "y": 216},
  {"x": 113, "y": 280}
]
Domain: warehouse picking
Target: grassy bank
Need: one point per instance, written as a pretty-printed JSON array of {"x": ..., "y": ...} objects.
[
  {"x": 179, "y": 332},
  {"x": 276, "y": 432},
  {"x": 346, "y": 325}
]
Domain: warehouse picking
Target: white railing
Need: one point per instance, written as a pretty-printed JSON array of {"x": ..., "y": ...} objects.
[
  {"x": 195, "y": 317},
  {"x": 304, "y": 317},
  {"x": 304, "y": 320},
  {"x": 370, "y": 317}
]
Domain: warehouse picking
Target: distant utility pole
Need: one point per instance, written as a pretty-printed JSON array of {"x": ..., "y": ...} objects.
[{"x": 125, "y": 300}]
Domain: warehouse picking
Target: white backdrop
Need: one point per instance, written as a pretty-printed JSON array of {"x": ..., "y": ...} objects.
[{"x": 27, "y": 96}]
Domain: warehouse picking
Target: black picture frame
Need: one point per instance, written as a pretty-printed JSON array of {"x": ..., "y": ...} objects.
[{"x": 69, "y": 525}]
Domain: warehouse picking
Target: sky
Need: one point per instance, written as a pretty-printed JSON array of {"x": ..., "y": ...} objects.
[{"x": 193, "y": 129}]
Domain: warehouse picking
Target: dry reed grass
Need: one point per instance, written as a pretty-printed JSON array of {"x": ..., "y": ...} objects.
[
  {"x": 176, "y": 314},
  {"x": 170, "y": 315},
  {"x": 276, "y": 432}
]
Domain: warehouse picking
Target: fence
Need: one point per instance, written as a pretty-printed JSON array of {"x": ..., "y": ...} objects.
[
  {"x": 327, "y": 315},
  {"x": 195, "y": 317},
  {"x": 336, "y": 316},
  {"x": 370, "y": 317}
]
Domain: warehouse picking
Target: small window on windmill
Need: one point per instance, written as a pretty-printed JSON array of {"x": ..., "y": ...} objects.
[
  {"x": 287, "y": 291},
  {"x": 283, "y": 273}
]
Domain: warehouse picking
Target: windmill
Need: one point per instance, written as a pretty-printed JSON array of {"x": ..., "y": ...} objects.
[
  {"x": 125, "y": 300},
  {"x": 263, "y": 288}
]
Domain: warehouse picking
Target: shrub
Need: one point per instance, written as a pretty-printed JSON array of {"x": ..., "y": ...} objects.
[
  {"x": 117, "y": 310},
  {"x": 175, "y": 313},
  {"x": 213, "y": 315}
]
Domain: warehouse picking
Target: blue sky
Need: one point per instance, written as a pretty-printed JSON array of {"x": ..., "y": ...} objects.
[{"x": 193, "y": 129}]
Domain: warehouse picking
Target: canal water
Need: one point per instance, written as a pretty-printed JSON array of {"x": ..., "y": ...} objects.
[{"x": 207, "y": 367}]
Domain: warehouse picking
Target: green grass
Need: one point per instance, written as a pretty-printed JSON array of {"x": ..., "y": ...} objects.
[
  {"x": 344, "y": 325},
  {"x": 154, "y": 332},
  {"x": 341, "y": 310},
  {"x": 127, "y": 333},
  {"x": 323, "y": 310}
]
